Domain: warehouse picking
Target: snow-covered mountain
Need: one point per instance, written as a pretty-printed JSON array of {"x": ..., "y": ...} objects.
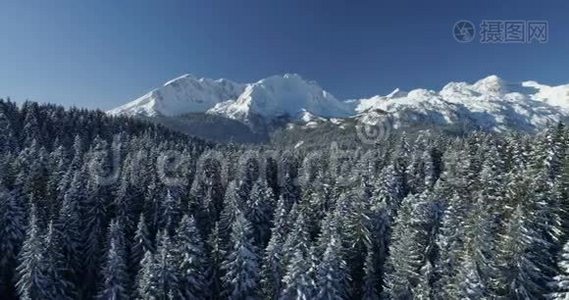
[
  {"x": 274, "y": 97},
  {"x": 489, "y": 104},
  {"x": 182, "y": 95},
  {"x": 278, "y": 96}
]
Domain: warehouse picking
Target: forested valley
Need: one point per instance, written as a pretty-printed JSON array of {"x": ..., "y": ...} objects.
[{"x": 100, "y": 207}]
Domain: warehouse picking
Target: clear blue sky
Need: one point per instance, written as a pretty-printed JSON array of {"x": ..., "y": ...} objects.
[{"x": 100, "y": 54}]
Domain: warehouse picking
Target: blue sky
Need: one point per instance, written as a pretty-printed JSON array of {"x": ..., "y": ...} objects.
[{"x": 100, "y": 54}]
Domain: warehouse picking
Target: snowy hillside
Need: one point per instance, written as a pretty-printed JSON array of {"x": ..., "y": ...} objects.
[{"x": 489, "y": 104}]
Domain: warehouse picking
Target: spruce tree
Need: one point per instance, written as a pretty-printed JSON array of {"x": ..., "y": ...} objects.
[
  {"x": 171, "y": 213},
  {"x": 409, "y": 249},
  {"x": 62, "y": 286},
  {"x": 332, "y": 275},
  {"x": 158, "y": 277},
  {"x": 33, "y": 272},
  {"x": 216, "y": 257},
  {"x": 116, "y": 283},
  {"x": 560, "y": 283},
  {"x": 191, "y": 260},
  {"x": 241, "y": 279},
  {"x": 299, "y": 281},
  {"x": 259, "y": 212},
  {"x": 12, "y": 235},
  {"x": 371, "y": 279},
  {"x": 273, "y": 268},
  {"x": 140, "y": 245}
]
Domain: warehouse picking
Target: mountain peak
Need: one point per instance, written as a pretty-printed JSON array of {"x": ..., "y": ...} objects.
[
  {"x": 396, "y": 93},
  {"x": 181, "y": 95},
  {"x": 181, "y": 78},
  {"x": 491, "y": 84},
  {"x": 491, "y": 78},
  {"x": 292, "y": 75},
  {"x": 282, "y": 95}
]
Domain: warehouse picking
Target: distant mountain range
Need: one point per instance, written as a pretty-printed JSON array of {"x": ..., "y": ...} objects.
[{"x": 222, "y": 109}]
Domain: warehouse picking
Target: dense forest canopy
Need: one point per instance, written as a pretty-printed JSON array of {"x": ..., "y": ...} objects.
[{"x": 99, "y": 207}]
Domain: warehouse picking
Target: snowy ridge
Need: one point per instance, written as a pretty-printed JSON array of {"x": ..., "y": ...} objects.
[{"x": 490, "y": 103}]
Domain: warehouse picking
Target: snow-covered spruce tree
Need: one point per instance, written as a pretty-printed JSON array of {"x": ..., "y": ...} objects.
[
  {"x": 32, "y": 177},
  {"x": 415, "y": 171},
  {"x": 67, "y": 230},
  {"x": 58, "y": 175},
  {"x": 424, "y": 290},
  {"x": 95, "y": 212},
  {"x": 61, "y": 287},
  {"x": 371, "y": 279},
  {"x": 158, "y": 277},
  {"x": 391, "y": 187},
  {"x": 381, "y": 228},
  {"x": 77, "y": 152},
  {"x": 191, "y": 260},
  {"x": 93, "y": 235},
  {"x": 8, "y": 140},
  {"x": 259, "y": 212},
  {"x": 521, "y": 257},
  {"x": 273, "y": 267},
  {"x": 125, "y": 207},
  {"x": 215, "y": 259},
  {"x": 170, "y": 213},
  {"x": 298, "y": 238},
  {"x": 542, "y": 200},
  {"x": 358, "y": 233},
  {"x": 550, "y": 149},
  {"x": 332, "y": 275},
  {"x": 145, "y": 284},
  {"x": 33, "y": 277},
  {"x": 290, "y": 190},
  {"x": 12, "y": 235},
  {"x": 31, "y": 130},
  {"x": 241, "y": 266},
  {"x": 469, "y": 283},
  {"x": 452, "y": 178},
  {"x": 450, "y": 245},
  {"x": 299, "y": 281},
  {"x": 545, "y": 212},
  {"x": 331, "y": 226},
  {"x": 152, "y": 208},
  {"x": 206, "y": 194},
  {"x": 481, "y": 230},
  {"x": 247, "y": 171},
  {"x": 231, "y": 204},
  {"x": 560, "y": 283},
  {"x": 560, "y": 193},
  {"x": 141, "y": 243},
  {"x": 409, "y": 248},
  {"x": 116, "y": 281}
]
